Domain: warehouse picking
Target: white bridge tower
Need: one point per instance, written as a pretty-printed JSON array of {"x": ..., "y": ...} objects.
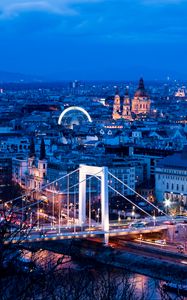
[{"x": 102, "y": 173}]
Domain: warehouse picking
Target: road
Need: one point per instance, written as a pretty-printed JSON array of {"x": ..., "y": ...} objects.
[{"x": 161, "y": 253}]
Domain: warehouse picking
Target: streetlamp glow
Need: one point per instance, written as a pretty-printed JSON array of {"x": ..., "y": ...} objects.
[
  {"x": 154, "y": 220},
  {"x": 133, "y": 212},
  {"x": 167, "y": 202},
  {"x": 119, "y": 217}
]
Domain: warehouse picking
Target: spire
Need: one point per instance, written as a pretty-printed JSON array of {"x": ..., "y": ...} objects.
[
  {"x": 116, "y": 106},
  {"x": 117, "y": 91},
  {"x": 141, "y": 92},
  {"x": 141, "y": 84},
  {"x": 126, "y": 92},
  {"x": 42, "y": 150},
  {"x": 32, "y": 148},
  {"x": 126, "y": 114}
]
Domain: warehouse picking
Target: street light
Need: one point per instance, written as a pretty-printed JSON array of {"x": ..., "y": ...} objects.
[
  {"x": 31, "y": 219},
  {"x": 119, "y": 217},
  {"x": 181, "y": 204},
  {"x": 133, "y": 212},
  {"x": 154, "y": 220},
  {"x": 98, "y": 214},
  {"x": 97, "y": 217},
  {"x": 167, "y": 204}
]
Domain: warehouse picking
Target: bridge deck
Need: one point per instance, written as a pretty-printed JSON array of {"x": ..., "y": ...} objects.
[{"x": 36, "y": 236}]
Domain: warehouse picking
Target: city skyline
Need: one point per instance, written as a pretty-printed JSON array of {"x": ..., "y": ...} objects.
[
  {"x": 89, "y": 40},
  {"x": 93, "y": 151}
]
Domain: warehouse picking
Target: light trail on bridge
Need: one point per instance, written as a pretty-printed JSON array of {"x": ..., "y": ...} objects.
[{"x": 35, "y": 235}]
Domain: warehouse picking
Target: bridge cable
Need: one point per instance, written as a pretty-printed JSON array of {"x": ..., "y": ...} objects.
[
  {"x": 126, "y": 199},
  {"x": 159, "y": 210},
  {"x": 89, "y": 213},
  {"x": 42, "y": 188},
  {"x": 27, "y": 206}
]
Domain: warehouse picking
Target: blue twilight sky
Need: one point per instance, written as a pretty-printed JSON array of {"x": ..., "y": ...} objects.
[{"x": 94, "y": 39}]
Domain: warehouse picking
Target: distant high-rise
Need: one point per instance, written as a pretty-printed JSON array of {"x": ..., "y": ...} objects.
[{"x": 141, "y": 102}]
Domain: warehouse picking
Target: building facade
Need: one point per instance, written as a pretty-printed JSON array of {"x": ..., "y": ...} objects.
[
  {"x": 117, "y": 107},
  {"x": 171, "y": 179},
  {"x": 126, "y": 174},
  {"x": 126, "y": 113},
  {"x": 141, "y": 103},
  {"x": 5, "y": 169}
]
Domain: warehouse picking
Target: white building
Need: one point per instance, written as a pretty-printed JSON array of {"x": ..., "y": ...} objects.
[
  {"x": 171, "y": 178},
  {"x": 37, "y": 173},
  {"x": 29, "y": 173},
  {"x": 20, "y": 170},
  {"x": 126, "y": 174}
]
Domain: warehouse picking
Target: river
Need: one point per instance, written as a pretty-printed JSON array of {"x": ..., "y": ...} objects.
[{"x": 140, "y": 285}]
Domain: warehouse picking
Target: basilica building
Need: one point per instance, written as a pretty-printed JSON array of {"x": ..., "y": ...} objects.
[{"x": 140, "y": 104}]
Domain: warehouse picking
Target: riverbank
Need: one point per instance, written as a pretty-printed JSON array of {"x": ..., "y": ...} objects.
[{"x": 153, "y": 263}]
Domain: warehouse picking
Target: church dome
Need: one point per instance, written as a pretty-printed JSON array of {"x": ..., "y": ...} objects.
[{"x": 141, "y": 92}]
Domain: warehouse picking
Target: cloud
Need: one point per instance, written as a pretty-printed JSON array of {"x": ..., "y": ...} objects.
[
  {"x": 95, "y": 21},
  {"x": 163, "y": 2},
  {"x": 12, "y": 8}
]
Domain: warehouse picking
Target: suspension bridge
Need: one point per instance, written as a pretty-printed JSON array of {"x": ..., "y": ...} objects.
[{"x": 63, "y": 209}]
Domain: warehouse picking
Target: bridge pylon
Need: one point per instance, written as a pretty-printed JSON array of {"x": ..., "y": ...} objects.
[{"x": 102, "y": 173}]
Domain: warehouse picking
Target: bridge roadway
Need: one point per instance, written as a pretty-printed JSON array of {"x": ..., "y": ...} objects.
[{"x": 36, "y": 236}]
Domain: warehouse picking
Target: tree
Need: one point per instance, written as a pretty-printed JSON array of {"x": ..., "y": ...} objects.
[
  {"x": 42, "y": 150},
  {"x": 10, "y": 191}
]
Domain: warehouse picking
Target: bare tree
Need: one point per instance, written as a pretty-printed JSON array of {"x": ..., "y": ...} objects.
[{"x": 53, "y": 276}]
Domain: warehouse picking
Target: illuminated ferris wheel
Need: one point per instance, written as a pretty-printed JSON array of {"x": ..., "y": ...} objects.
[{"x": 74, "y": 115}]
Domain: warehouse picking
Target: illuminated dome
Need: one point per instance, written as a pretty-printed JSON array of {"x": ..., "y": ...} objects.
[
  {"x": 74, "y": 115},
  {"x": 141, "y": 92}
]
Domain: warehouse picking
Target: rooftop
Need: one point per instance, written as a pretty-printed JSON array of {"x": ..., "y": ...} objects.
[{"x": 176, "y": 161}]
